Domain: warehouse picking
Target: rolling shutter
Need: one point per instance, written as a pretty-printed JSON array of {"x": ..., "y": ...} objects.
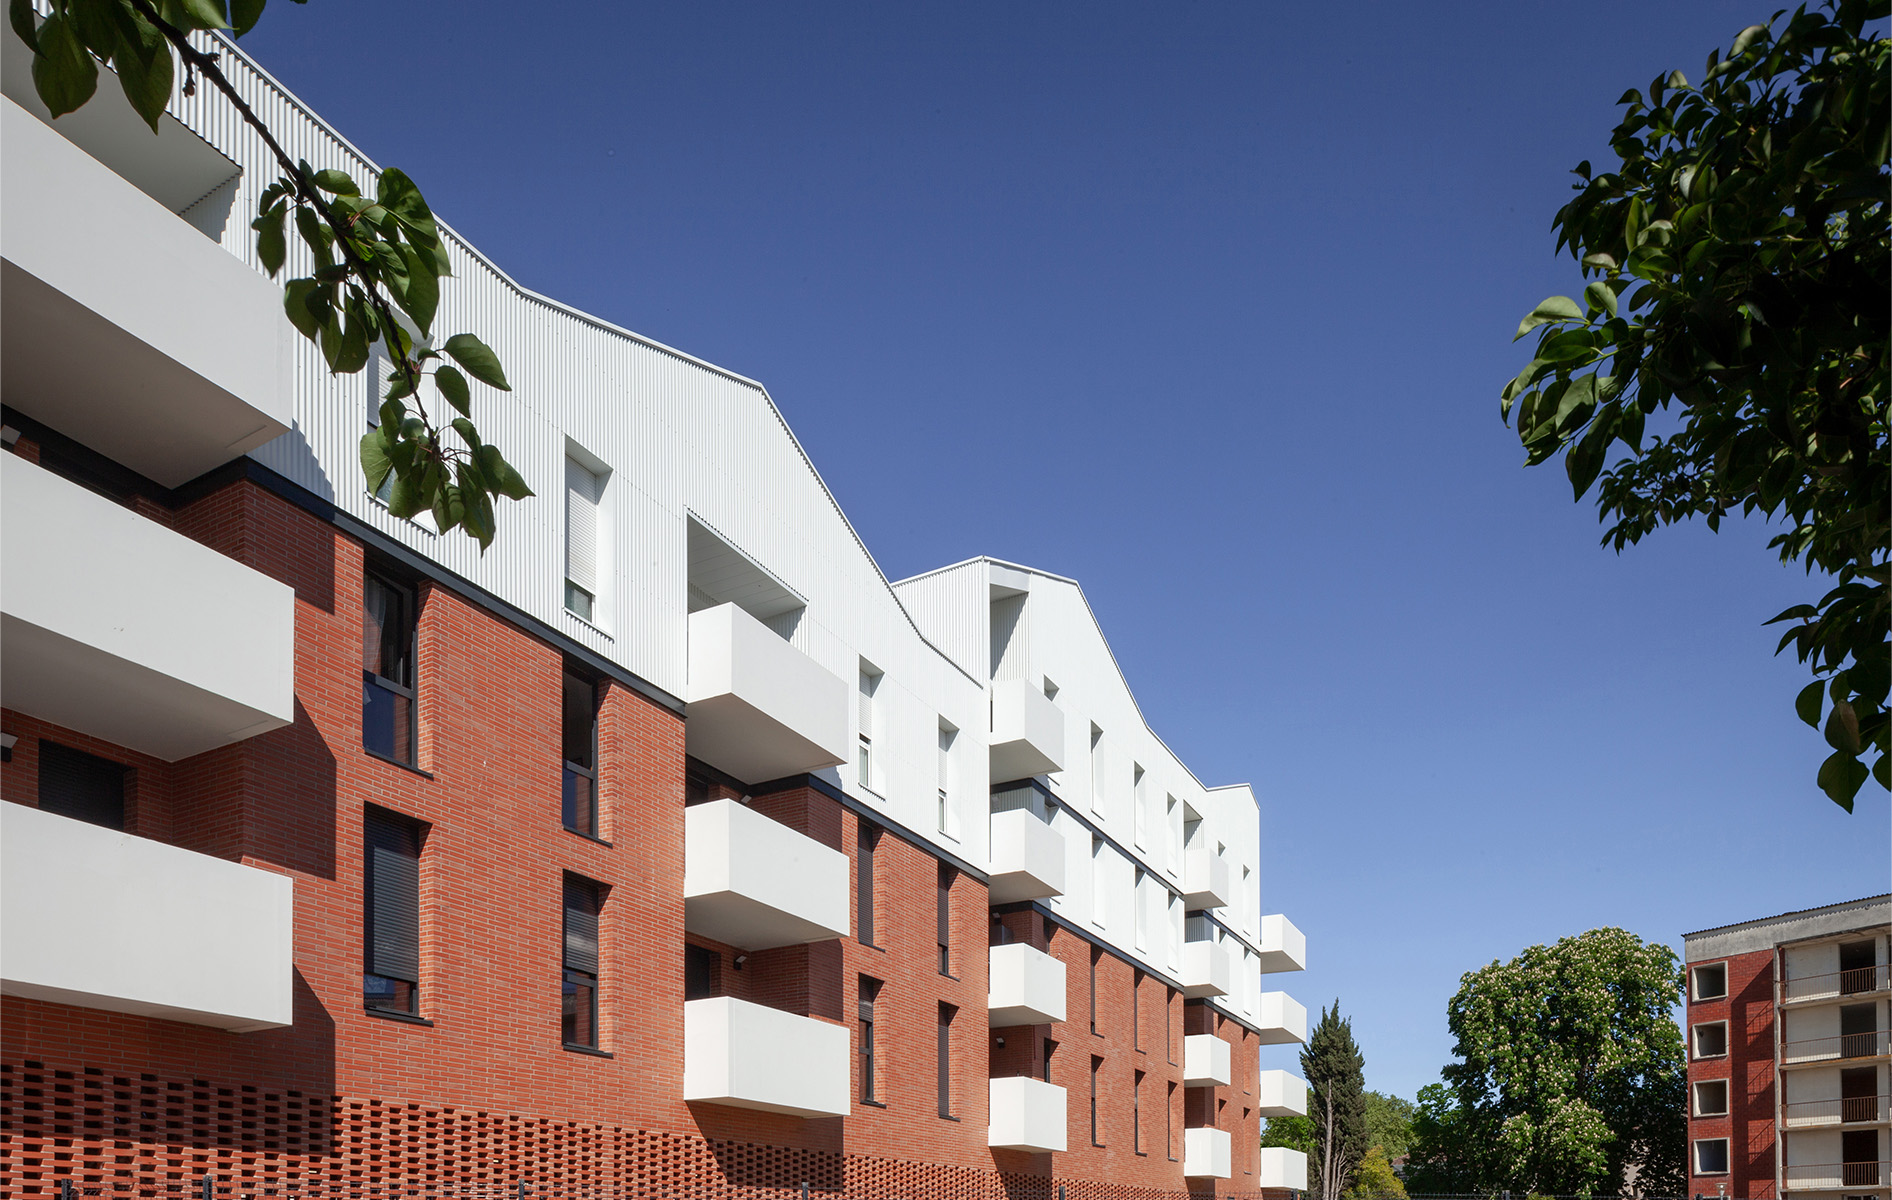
[
  {"x": 393, "y": 899},
  {"x": 581, "y": 926},
  {"x": 582, "y": 493}
]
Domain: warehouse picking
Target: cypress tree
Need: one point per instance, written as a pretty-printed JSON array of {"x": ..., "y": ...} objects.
[{"x": 1336, "y": 1079}]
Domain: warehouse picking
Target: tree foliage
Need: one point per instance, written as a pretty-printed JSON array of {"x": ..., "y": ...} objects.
[
  {"x": 372, "y": 265},
  {"x": 1336, "y": 1081},
  {"x": 1293, "y": 1133},
  {"x": 1389, "y": 1123},
  {"x": 1374, "y": 1179},
  {"x": 1570, "y": 1074},
  {"x": 1738, "y": 267}
]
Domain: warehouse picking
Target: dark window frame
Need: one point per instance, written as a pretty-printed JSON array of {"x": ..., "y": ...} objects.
[
  {"x": 945, "y": 1054},
  {"x": 388, "y": 836},
  {"x": 867, "y": 845},
  {"x": 580, "y": 814},
  {"x": 84, "y": 771},
  {"x": 578, "y": 1023},
  {"x": 869, "y": 993},
  {"x": 372, "y": 680},
  {"x": 1136, "y": 1009}
]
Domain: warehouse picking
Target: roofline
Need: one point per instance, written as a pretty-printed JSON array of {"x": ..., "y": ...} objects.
[{"x": 1862, "y": 902}]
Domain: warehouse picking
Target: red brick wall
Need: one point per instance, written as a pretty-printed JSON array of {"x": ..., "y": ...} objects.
[
  {"x": 486, "y": 1094},
  {"x": 1749, "y": 1068}
]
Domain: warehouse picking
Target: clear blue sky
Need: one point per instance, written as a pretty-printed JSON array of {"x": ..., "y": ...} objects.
[{"x": 1207, "y": 306}]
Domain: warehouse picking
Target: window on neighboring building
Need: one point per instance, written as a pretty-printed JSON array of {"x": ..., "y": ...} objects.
[
  {"x": 1136, "y": 1112},
  {"x": 1711, "y": 1040},
  {"x": 1711, "y": 1098},
  {"x": 944, "y": 913},
  {"x": 870, "y": 991},
  {"x": 584, "y": 496},
  {"x": 391, "y": 914},
  {"x": 580, "y": 991},
  {"x": 865, "y": 767},
  {"x": 580, "y": 805},
  {"x": 82, "y": 786},
  {"x": 868, "y": 842},
  {"x": 1097, "y": 1070},
  {"x": 702, "y": 972},
  {"x": 1711, "y": 1156},
  {"x": 1710, "y": 982},
  {"x": 946, "y": 1013},
  {"x": 387, "y": 669}
]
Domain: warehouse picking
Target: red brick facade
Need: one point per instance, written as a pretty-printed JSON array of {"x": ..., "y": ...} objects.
[
  {"x": 1748, "y": 1009},
  {"x": 483, "y": 1095}
]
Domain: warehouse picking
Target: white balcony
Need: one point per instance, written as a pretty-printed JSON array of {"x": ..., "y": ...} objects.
[
  {"x": 101, "y": 919},
  {"x": 1280, "y": 1094},
  {"x": 114, "y": 626},
  {"x": 1206, "y": 971},
  {"x": 1206, "y": 1061},
  {"x": 1206, "y": 1154},
  {"x": 759, "y": 708},
  {"x": 755, "y": 883},
  {"x": 1281, "y": 1020},
  {"x": 1283, "y": 947},
  {"x": 1026, "y": 1114},
  {"x": 1206, "y": 880},
  {"x": 1282, "y": 1168},
  {"x": 1026, "y": 986},
  {"x": 749, "y": 1056},
  {"x": 1027, "y": 732},
  {"x": 125, "y": 328},
  {"x": 1027, "y": 858}
]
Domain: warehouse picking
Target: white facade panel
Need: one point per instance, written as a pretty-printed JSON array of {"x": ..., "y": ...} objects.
[
  {"x": 755, "y": 883},
  {"x": 166, "y": 932},
  {"x": 1282, "y": 1168},
  {"x": 1025, "y": 986},
  {"x": 750, "y": 1056},
  {"x": 1206, "y": 1154},
  {"x": 1026, "y": 1114}
]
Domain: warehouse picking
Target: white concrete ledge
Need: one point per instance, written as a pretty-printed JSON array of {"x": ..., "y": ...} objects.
[
  {"x": 1027, "y": 732},
  {"x": 749, "y": 1056},
  {"x": 1280, "y": 1094},
  {"x": 1207, "y": 882},
  {"x": 1026, "y": 986},
  {"x": 101, "y": 919},
  {"x": 1281, "y": 1019},
  {"x": 1283, "y": 947},
  {"x": 1206, "y": 1061},
  {"x": 757, "y": 707},
  {"x": 1026, "y": 1114},
  {"x": 755, "y": 883},
  {"x": 1206, "y": 971},
  {"x": 1027, "y": 858},
  {"x": 1206, "y": 1154},
  {"x": 1282, "y": 1168}
]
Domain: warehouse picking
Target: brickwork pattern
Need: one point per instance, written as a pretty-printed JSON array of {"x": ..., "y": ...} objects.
[{"x": 1748, "y": 1067}]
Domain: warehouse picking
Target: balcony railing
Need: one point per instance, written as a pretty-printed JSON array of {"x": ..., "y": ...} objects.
[
  {"x": 750, "y": 1056},
  {"x": 1819, "y": 1176},
  {"x": 1848, "y": 1110},
  {"x": 1206, "y": 1061},
  {"x": 1859, "y": 981},
  {"x": 755, "y": 883},
  {"x": 1027, "y": 732},
  {"x": 1831, "y": 1049},
  {"x": 1027, "y": 857}
]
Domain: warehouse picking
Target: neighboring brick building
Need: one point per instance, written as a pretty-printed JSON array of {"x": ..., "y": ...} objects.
[
  {"x": 667, "y": 848},
  {"x": 1788, "y": 1055}
]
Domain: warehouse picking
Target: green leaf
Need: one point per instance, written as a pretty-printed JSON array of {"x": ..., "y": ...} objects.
[
  {"x": 25, "y": 23},
  {"x": 1799, "y": 612},
  {"x": 449, "y": 507},
  {"x": 1842, "y": 728},
  {"x": 1840, "y": 777},
  {"x": 478, "y": 359},
  {"x": 145, "y": 69},
  {"x": 1600, "y": 296},
  {"x": 1585, "y": 459},
  {"x": 271, "y": 237},
  {"x": 336, "y": 182},
  {"x": 421, "y": 295},
  {"x": 1810, "y": 702},
  {"x": 1602, "y": 262},
  {"x": 398, "y": 194},
  {"x": 296, "y": 303},
  {"x": 206, "y": 14},
  {"x": 244, "y": 15},
  {"x": 452, "y": 385},
  {"x": 375, "y": 463},
  {"x": 315, "y": 235},
  {"x": 409, "y": 494},
  {"x": 467, "y": 432},
  {"x": 1557, "y": 308},
  {"x": 500, "y": 473},
  {"x": 64, "y": 73}
]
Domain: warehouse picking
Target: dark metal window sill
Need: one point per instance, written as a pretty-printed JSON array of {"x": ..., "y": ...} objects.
[
  {"x": 395, "y": 762},
  {"x": 575, "y": 1048},
  {"x": 388, "y": 1014},
  {"x": 589, "y": 837}
]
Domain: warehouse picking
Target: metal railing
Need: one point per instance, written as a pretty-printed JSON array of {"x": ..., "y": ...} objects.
[
  {"x": 1859, "y": 981},
  {"x": 1846, "y": 1045},
  {"x": 1847, "y": 1110},
  {"x": 1813, "y": 1177}
]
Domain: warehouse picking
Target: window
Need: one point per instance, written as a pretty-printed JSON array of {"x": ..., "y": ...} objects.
[
  {"x": 946, "y": 735},
  {"x": 1097, "y": 953},
  {"x": 945, "y": 916},
  {"x": 1136, "y": 1010},
  {"x": 702, "y": 972},
  {"x": 1097, "y": 880},
  {"x": 1137, "y": 818},
  {"x": 870, "y": 991},
  {"x": 868, "y": 842},
  {"x": 1169, "y": 1120},
  {"x": 580, "y": 1014},
  {"x": 391, "y": 914},
  {"x": 1711, "y": 1098},
  {"x": 387, "y": 669},
  {"x": 1044, "y": 1064},
  {"x": 1172, "y": 832},
  {"x": 82, "y": 786},
  {"x": 1097, "y": 1069},
  {"x": 1138, "y": 910},
  {"x": 1136, "y": 1112},
  {"x": 1857, "y": 961},
  {"x": 946, "y": 1012},
  {"x": 864, "y": 764},
  {"x": 580, "y": 805},
  {"x": 1169, "y": 1022},
  {"x": 1711, "y": 982},
  {"x": 1711, "y": 1156},
  {"x": 584, "y": 491},
  {"x": 1097, "y": 769},
  {"x": 1711, "y": 1040}
]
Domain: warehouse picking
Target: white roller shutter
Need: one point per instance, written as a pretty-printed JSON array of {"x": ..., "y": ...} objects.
[{"x": 582, "y": 493}]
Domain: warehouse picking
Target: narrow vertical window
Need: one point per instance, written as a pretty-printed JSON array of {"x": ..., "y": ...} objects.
[
  {"x": 946, "y": 735},
  {"x": 1097, "y": 1070},
  {"x": 1138, "y": 820},
  {"x": 579, "y": 1022},
  {"x": 946, "y": 1012},
  {"x": 944, "y": 914},
  {"x": 1097, "y": 769},
  {"x": 387, "y": 669},
  {"x": 1098, "y": 906},
  {"x": 1139, "y": 910},
  {"x": 1169, "y": 1121},
  {"x": 580, "y": 736},
  {"x": 1172, "y": 833},
  {"x": 868, "y": 842},
  {"x": 870, "y": 991},
  {"x": 391, "y": 914},
  {"x": 1169, "y": 1023},
  {"x": 1136, "y": 1112},
  {"x": 1044, "y": 1064},
  {"x": 1097, "y": 953},
  {"x": 584, "y": 491},
  {"x": 864, "y": 764},
  {"x": 1136, "y": 1010},
  {"x": 82, "y": 786},
  {"x": 702, "y": 972}
]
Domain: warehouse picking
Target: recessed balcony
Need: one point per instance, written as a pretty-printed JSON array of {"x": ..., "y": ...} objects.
[
  {"x": 755, "y": 883},
  {"x": 1283, "y": 947},
  {"x": 1282, "y": 1168},
  {"x": 1026, "y": 986},
  {"x": 1206, "y": 880},
  {"x": 101, "y": 919},
  {"x": 114, "y": 626},
  {"x": 1280, "y": 1094},
  {"x": 1206, "y": 1154},
  {"x": 1282, "y": 1020},
  {"x": 1027, "y": 858},
  {"x": 759, "y": 708},
  {"x": 1026, "y": 1114},
  {"x": 1205, "y": 971},
  {"x": 1027, "y": 732},
  {"x": 749, "y": 1056},
  {"x": 1206, "y": 1061},
  {"x": 126, "y": 329}
]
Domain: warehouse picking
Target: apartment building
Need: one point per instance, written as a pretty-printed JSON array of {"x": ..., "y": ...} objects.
[
  {"x": 1787, "y": 1042},
  {"x": 667, "y": 845}
]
